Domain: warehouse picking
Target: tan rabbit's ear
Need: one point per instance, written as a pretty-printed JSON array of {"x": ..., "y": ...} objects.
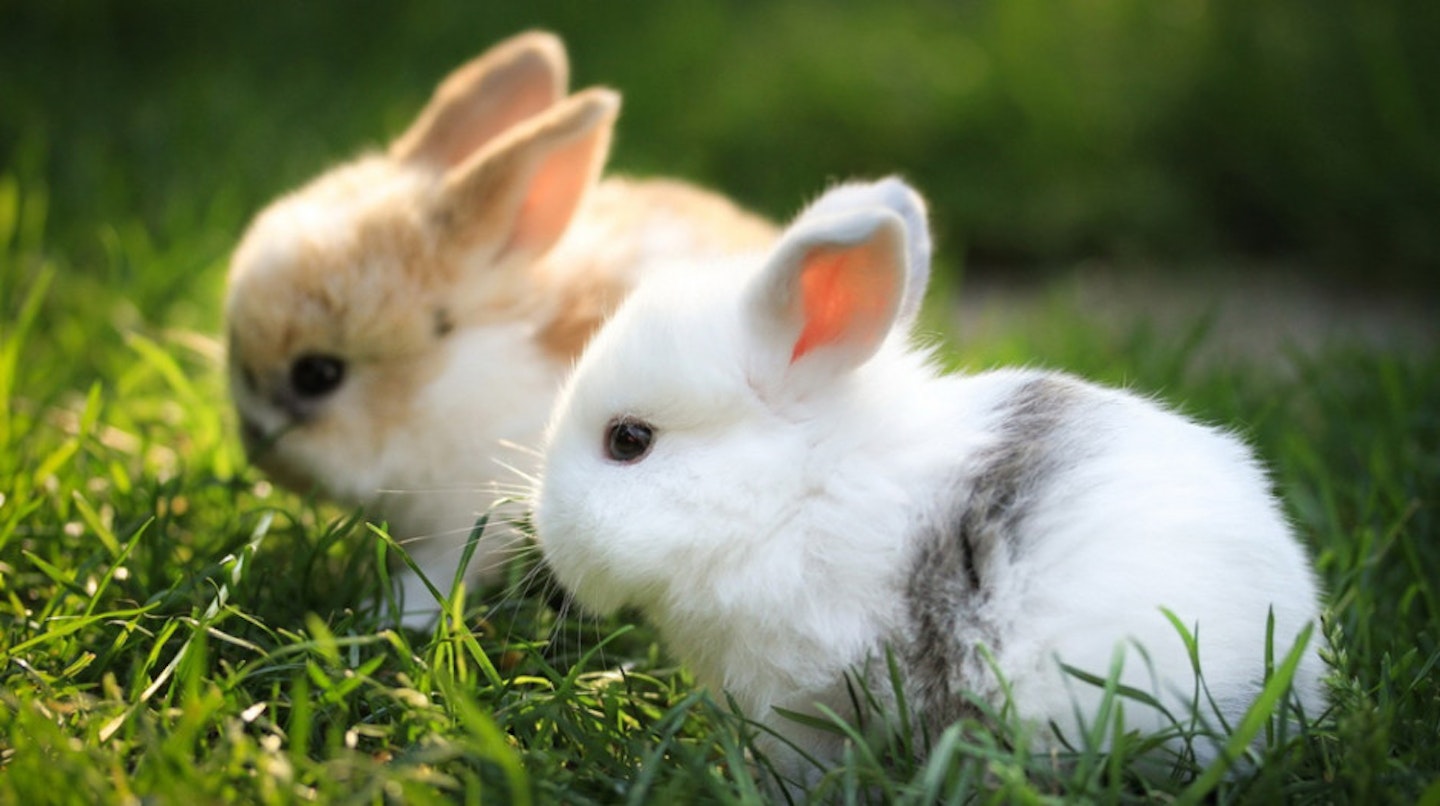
[
  {"x": 520, "y": 192},
  {"x": 512, "y": 81}
]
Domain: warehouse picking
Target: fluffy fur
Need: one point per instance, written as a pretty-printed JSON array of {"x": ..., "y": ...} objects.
[
  {"x": 815, "y": 494},
  {"x": 455, "y": 277}
]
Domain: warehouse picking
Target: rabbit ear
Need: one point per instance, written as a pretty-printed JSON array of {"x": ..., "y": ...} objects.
[
  {"x": 520, "y": 192},
  {"x": 893, "y": 194},
  {"x": 850, "y": 269},
  {"x": 512, "y": 81}
]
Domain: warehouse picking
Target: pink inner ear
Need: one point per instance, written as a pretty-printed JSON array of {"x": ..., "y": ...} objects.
[
  {"x": 554, "y": 193},
  {"x": 840, "y": 299}
]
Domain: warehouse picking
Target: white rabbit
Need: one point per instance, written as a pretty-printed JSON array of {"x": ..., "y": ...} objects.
[
  {"x": 399, "y": 325},
  {"x": 761, "y": 464}
]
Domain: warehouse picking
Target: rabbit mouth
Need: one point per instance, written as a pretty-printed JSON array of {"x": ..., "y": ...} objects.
[
  {"x": 260, "y": 450},
  {"x": 259, "y": 443},
  {"x": 253, "y": 437}
]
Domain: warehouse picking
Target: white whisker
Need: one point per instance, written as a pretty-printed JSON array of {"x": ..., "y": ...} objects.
[
  {"x": 530, "y": 479},
  {"x": 518, "y": 447}
]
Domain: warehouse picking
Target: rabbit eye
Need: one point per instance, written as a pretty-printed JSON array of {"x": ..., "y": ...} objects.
[
  {"x": 628, "y": 440},
  {"x": 313, "y": 375}
]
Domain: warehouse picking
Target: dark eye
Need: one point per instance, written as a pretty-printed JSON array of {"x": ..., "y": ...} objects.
[
  {"x": 313, "y": 375},
  {"x": 628, "y": 440}
]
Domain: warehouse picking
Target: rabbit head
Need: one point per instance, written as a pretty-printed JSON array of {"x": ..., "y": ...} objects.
[
  {"x": 701, "y": 413},
  {"x": 346, "y": 296}
]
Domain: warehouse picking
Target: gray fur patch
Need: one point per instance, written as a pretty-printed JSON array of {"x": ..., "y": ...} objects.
[{"x": 968, "y": 540}]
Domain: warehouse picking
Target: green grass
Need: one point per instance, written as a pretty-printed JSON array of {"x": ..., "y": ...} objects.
[{"x": 173, "y": 629}]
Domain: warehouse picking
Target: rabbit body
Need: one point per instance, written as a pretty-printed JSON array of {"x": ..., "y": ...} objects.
[
  {"x": 399, "y": 326},
  {"x": 812, "y": 494}
]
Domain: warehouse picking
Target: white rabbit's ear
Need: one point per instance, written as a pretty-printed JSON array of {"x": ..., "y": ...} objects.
[
  {"x": 829, "y": 296},
  {"x": 893, "y": 194},
  {"x": 510, "y": 82},
  {"x": 851, "y": 269},
  {"x": 520, "y": 192}
]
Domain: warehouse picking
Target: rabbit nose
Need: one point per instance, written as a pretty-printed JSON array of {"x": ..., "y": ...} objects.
[
  {"x": 293, "y": 407},
  {"x": 286, "y": 404}
]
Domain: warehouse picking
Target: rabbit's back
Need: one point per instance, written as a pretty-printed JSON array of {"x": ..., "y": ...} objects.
[{"x": 1084, "y": 513}]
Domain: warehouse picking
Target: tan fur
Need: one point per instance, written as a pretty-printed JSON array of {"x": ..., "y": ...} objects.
[
  {"x": 587, "y": 292},
  {"x": 583, "y": 308}
]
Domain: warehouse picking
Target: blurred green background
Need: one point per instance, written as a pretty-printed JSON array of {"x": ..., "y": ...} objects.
[{"x": 1045, "y": 132}]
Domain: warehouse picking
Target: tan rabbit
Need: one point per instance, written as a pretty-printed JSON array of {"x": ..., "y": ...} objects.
[{"x": 399, "y": 327}]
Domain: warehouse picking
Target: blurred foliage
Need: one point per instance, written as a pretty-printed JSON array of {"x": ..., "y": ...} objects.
[{"x": 1044, "y": 131}]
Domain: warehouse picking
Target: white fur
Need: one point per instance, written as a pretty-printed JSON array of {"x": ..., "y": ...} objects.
[
  {"x": 770, "y": 531},
  {"x": 433, "y": 483}
]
